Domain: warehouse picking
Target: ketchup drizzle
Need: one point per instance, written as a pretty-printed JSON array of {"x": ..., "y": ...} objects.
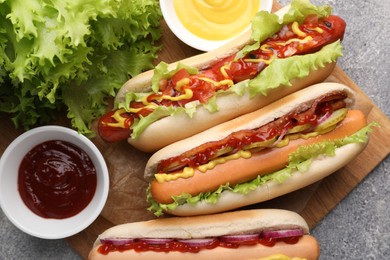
[{"x": 142, "y": 246}]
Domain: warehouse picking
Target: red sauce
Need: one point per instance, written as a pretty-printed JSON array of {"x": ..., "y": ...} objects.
[
  {"x": 56, "y": 179},
  {"x": 142, "y": 246}
]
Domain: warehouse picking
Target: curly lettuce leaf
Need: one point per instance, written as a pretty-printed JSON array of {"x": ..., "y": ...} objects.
[
  {"x": 294, "y": 67},
  {"x": 299, "y": 160},
  {"x": 300, "y": 9},
  {"x": 72, "y": 54},
  {"x": 266, "y": 24},
  {"x": 160, "y": 112}
]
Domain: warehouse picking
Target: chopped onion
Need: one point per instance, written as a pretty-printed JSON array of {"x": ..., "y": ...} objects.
[
  {"x": 173, "y": 168},
  {"x": 324, "y": 117},
  {"x": 282, "y": 233},
  {"x": 156, "y": 241},
  {"x": 283, "y": 31},
  {"x": 239, "y": 238},
  {"x": 116, "y": 241},
  {"x": 198, "y": 241},
  {"x": 282, "y": 134}
]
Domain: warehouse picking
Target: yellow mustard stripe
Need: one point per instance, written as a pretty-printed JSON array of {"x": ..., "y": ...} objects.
[
  {"x": 186, "y": 173},
  {"x": 145, "y": 101},
  {"x": 120, "y": 121},
  {"x": 211, "y": 164},
  {"x": 317, "y": 29},
  {"x": 188, "y": 93},
  {"x": 296, "y": 30},
  {"x": 148, "y": 105},
  {"x": 265, "y": 48},
  {"x": 228, "y": 82},
  {"x": 181, "y": 83},
  {"x": 223, "y": 69},
  {"x": 260, "y": 60},
  {"x": 305, "y": 40}
]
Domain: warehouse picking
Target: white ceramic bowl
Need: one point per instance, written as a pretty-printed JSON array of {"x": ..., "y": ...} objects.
[
  {"x": 173, "y": 22},
  {"x": 12, "y": 204}
]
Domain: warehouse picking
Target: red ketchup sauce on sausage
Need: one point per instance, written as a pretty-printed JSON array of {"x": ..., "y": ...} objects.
[
  {"x": 56, "y": 179},
  {"x": 140, "y": 246}
]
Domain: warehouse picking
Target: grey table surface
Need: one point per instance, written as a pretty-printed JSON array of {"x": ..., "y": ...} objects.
[{"x": 359, "y": 226}]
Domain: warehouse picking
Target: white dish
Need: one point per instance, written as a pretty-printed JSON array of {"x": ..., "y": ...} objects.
[
  {"x": 12, "y": 204},
  {"x": 173, "y": 22}
]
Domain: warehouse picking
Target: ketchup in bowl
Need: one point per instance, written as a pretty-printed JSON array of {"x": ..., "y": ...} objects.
[{"x": 56, "y": 179}]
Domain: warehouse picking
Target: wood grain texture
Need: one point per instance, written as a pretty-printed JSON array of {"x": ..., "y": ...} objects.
[{"x": 312, "y": 202}]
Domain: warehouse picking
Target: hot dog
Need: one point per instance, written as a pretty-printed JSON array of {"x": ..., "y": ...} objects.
[
  {"x": 250, "y": 234},
  {"x": 279, "y": 56},
  {"x": 275, "y": 150}
]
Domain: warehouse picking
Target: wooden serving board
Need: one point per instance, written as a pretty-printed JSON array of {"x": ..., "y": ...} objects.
[{"x": 126, "y": 202}]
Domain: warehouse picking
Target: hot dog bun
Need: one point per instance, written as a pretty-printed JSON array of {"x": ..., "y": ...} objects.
[
  {"x": 178, "y": 126},
  {"x": 249, "y": 121},
  {"x": 245, "y": 169},
  {"x": 230, "y": 106},
  {"x": 228, "y": 223},
  {"x": 319, "y": 169}
]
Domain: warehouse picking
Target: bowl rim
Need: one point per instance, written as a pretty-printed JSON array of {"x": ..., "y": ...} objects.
[
  {"x": 189, "y": 38},
  {"x": 67, "y": 226}
]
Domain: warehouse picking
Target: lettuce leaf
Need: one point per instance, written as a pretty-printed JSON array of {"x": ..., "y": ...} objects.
[
  {"x": 299, "y": 160},
  {"x": 267, "y": 24},
  {"x": 160, "y": 112},
  {"x": 300, "y": 9},
  {"x": 294, "y": 67},
  {"x": 72, "y": 55}
]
